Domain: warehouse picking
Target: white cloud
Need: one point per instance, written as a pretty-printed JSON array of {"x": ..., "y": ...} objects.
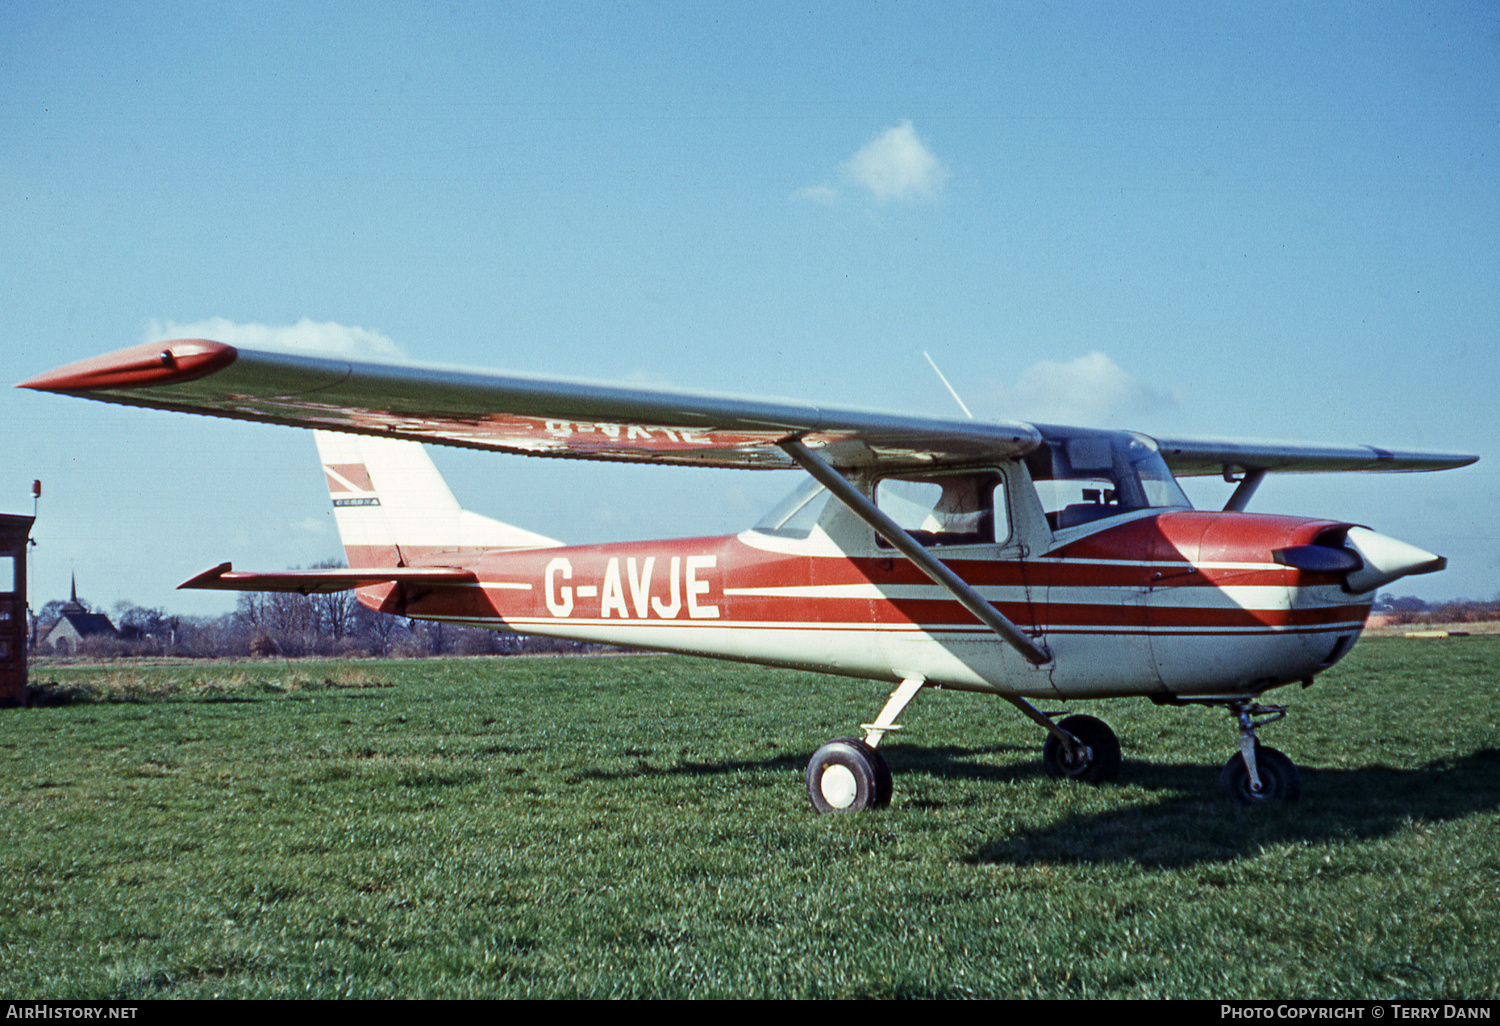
[
  {"x": 306, "y": 336},
  {"x": 1090, "y": 391},
  {"x": 896, "y": 165}
]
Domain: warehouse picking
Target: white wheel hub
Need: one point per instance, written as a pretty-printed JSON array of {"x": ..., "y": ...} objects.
[{"x": 838, "y": 786}]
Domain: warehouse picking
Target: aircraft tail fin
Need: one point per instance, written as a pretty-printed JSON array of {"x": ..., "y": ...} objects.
[{"x": 392, "y": 507}]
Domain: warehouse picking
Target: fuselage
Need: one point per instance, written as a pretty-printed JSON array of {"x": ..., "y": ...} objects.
[{"x": 1164, "y": 604}]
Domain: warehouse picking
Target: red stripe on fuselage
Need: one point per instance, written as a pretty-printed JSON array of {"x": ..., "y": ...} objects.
[{"x": 1185, "y": 553}]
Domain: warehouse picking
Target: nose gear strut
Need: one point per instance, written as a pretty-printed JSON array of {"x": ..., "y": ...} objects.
[{"x": 1258, "y": 774}]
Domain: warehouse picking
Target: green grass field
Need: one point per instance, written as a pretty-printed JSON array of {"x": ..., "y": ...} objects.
[{"x": 637, "y": 827}]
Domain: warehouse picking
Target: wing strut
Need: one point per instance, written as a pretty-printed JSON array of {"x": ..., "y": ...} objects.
[
  {"x": 913, "y": 550},
  {"x": 1246, "y": 488}
]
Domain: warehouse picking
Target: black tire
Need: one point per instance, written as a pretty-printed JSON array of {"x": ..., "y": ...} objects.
[
  {"x": 1102, "y": 767},
  {"x": 847, "y": 775},
  {"x": 1279, "y": 779}
]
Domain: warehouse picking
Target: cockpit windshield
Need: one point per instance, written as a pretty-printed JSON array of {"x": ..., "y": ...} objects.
[{"x": 1082, "y": 476}]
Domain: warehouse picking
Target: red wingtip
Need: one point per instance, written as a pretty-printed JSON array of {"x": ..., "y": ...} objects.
[{"x": 156, "y": 363}]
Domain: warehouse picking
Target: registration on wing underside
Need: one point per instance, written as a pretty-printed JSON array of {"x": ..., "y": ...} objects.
[{"x": 718, "y": 446}]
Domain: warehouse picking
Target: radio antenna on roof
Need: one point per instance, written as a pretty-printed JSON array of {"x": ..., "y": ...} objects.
[{"x": 949, "y": 387}]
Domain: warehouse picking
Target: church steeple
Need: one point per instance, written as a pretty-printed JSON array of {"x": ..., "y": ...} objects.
[{"x": 74, "y": 606}]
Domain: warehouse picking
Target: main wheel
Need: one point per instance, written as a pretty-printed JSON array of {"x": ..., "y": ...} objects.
[
  {"x": 1279, "y": 779},
  {"x": 1102, "y": 766},
  {"x": 847, "y": 775}
]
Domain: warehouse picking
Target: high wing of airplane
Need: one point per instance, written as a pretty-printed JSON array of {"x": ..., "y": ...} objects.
[{"x": 1028, "y": 561}]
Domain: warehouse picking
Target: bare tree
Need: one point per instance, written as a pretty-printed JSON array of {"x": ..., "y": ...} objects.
[{"x": 334, "y": 612}]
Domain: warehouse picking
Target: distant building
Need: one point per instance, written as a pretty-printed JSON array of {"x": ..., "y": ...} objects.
[
  {"x": 14, "y": 534},
  {"x": 76, "y": 625}
]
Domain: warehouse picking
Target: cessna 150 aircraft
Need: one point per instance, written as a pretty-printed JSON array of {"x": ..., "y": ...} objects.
[{"x": 1027, "y": 561}]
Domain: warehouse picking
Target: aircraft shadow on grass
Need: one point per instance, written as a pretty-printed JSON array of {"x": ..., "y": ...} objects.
[{"x": 1191, "y": 823}]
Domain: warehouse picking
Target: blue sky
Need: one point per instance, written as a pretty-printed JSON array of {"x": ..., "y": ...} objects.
[{"x": 1269, "y": 220}]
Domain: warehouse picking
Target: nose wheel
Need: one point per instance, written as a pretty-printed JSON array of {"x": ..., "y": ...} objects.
[
  {"x": 1277, "y": 775},
  {"x": 1257, "y": 774}
]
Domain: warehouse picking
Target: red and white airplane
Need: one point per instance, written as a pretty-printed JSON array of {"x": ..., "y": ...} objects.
[{"x": 1027, "y": 561}]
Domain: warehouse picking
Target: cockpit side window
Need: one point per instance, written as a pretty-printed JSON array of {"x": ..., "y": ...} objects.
[
  {"x": 946, "y": 509},
  {"x": 1082, "y": 476}
]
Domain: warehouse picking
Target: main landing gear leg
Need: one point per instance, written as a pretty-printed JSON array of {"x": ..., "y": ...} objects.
[
  {"x": 1077, "y": 748},
  {"x": 848, "y": 774},
  {"x": 1258, "y": 775}
]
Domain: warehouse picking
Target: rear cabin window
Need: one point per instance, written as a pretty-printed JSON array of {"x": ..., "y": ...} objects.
[{"x": 946, "y": 509}]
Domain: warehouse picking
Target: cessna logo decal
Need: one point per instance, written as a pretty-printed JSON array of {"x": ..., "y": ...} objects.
[
  {"x": 639, "y": 590},
  {"x": 350, "y": 477}
]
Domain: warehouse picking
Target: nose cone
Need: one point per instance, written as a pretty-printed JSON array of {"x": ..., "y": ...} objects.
[{"x": 1385, "y": 560}]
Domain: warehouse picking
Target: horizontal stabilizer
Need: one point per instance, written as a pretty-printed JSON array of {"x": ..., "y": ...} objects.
[{"x": 321, "y": 582}]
